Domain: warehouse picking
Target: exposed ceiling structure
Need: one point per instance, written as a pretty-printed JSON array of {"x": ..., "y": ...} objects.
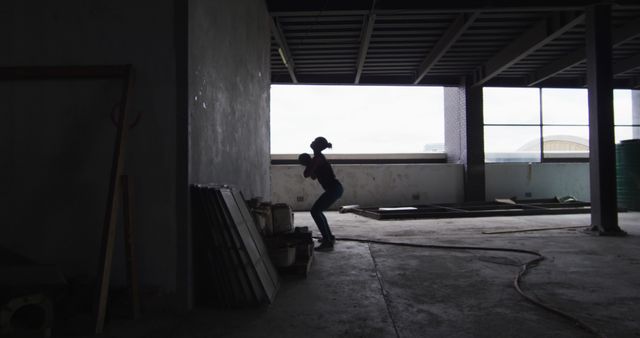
[{"x": 490, "y": 43}]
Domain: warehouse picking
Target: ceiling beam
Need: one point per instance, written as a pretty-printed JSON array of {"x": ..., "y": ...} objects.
[
  {"x": 283, "y": 49},
  {"x": 364, "y": 45},
  {"x": 370, "y": 79},
  {"x": 620, "y": 36},
  {"x": 535, "y": 37},
  {"x": 315, "y": 8},
  {"x": 626, "y": 65},
  {"x": 455, "y": 30}
]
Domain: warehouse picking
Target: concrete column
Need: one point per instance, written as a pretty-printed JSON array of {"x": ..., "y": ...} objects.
[
  {"x": 475, "y": 180},
  {"x": 454, "y": 120},
  {"x": 223, "y": 111},
  {"x": 184, "y": 243},
  {"x": 604, "y": 212},
  {"x": 464, "y": 136},
  {"x": 635, "y": 111}
]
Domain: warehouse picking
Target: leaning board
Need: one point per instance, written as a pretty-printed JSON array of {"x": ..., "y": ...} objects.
[{"x": 253, "y": 243}]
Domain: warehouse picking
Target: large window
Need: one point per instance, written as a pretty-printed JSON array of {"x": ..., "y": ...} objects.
[
  {"x": 357, "y": 119},
  {"x": 565, "y": 123},
  {"x": 512, "y": 124},
  {"x": 627, "y": 125},
  {"x": 531, "y": 124}
]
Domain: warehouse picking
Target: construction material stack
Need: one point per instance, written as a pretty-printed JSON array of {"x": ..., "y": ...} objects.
[
  {"x": 232, "y": 266},
  {"x": 290, "y": 248}
]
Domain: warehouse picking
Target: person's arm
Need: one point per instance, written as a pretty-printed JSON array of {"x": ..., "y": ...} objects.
[
  {"x": 310, "y": 170},
  {"x": 307, "y": 173}
]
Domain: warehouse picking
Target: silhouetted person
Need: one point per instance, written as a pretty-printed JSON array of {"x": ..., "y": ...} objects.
[{"x": 318, "y": 168}]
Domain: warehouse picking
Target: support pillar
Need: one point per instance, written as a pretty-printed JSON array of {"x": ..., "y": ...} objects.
[
  {"x": 185, "y": 301},
  {"x": 464, "y": 137},
  {"x": 635, "y": 111},
  {"x": 602, "y": 163}
]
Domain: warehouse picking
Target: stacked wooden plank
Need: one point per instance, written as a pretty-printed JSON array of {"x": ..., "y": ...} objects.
[{"x": 232, "y": 267}]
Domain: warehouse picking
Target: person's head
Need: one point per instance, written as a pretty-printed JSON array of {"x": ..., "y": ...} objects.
[
  {"x": 320, "y": 144},
  {"x": 304, "y": 159}
]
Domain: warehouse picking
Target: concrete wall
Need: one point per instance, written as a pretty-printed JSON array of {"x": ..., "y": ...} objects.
[
  {"x": 396, "y": 184},
  {"x": 229, "y": 83},
  {"x": 58, "y": 138},
  {"x": 372, "y": 184},
  {"x": 542, "y": 180}
]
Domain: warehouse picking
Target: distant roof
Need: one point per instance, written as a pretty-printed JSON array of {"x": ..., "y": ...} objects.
[
  {"x": 493, "y": 43},
  {"x": 579, "y": 142}
]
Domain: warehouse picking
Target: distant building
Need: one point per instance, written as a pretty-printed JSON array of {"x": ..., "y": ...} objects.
[
  {"x": 558, "y": 143},
  {"x": 433, "y": 148}
]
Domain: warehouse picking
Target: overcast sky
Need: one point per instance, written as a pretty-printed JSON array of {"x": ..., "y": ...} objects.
[
  {"x": 356, "y": 119},
  {"x": 396, "y": 119}
]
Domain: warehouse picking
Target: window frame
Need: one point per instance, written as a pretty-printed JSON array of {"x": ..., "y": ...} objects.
[{"x": 541, "y": 125}]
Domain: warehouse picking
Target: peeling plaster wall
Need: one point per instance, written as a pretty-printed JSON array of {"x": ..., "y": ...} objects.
[
  {"x": 399, "y": 184},
  {"x": 58, "y": 137},
  {"x": 373, "y": 185},
  {"x": 542, "y": 180},
  {"x": 229, "y": 82}
]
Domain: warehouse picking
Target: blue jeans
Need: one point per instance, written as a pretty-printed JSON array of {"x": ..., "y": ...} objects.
[{"x": 323, "y": 203}]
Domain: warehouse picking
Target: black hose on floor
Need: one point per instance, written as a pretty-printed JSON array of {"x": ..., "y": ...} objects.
[{"x": 524, "y": 268}]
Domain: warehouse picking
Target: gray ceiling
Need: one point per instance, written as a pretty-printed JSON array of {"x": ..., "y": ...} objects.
[{"x": 493, "y": 43}]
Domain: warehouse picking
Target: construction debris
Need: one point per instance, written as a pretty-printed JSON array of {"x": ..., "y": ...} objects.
[
  {"x": 231, "y": 262},
  {"x": 499, "y": 207},
  {"x": 293, "y": 251},
  {"x": 290, "y": 248}
]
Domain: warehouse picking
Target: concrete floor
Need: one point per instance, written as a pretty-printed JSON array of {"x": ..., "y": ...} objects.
[{"x": 362, "y": 290}]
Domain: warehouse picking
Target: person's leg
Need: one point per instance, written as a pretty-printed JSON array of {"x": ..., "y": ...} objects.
[
  {"x": 316, "y": 212},
  {"x": 327, "y": 231},
  {"x": 323, "y": 203},
  {"x": 334, "y": 195}
]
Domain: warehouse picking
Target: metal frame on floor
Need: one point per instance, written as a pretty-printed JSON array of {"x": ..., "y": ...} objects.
[{"x": 475, "y": 209}]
